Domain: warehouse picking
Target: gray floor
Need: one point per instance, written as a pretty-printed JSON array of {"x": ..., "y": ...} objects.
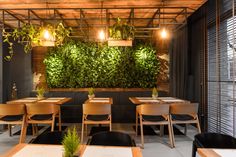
[{"x": 154, "y": 145}]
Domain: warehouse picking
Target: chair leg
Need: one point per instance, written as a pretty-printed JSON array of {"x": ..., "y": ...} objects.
[
  {"x": 86, "y": 129},
  {"x": 53, "y": 122},
  {"x": 141, "y": 130},
  {"x": 194, "y": 149},
  {"x": 36, "y": 129},
  {"x": 82, "y": 133},
  {"x": 23, "y": 132},
  {"x": 161, "y": 130},
  {"x": 9, "y": 129},
  {"x": 185, "y": 129},
  {"x": 110, "y": 126},
  {"x": 170, "y": 135},
  {"x": 173, "y": 134},
  {"x": 136, "y": 126},
  {"x": 198, "y": 126},
  {"x": 59, "y": 120},
  {"x": 33, "y": 129}
]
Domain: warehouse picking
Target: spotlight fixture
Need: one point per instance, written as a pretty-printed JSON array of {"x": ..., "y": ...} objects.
[
  {"x": 102, "y": 35},
  {"x": 164, "y": 33},
  {"x": 47, "y": 32}
]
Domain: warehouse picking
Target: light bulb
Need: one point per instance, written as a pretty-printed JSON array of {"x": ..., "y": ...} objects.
[
  {"x": 101, "y": 35},
  {"x": 46, "y": 34},
  {"x": 163, "y": 33}
]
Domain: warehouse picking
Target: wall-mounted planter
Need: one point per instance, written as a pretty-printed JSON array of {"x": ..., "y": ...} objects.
[{"x": 120, "y": 42}]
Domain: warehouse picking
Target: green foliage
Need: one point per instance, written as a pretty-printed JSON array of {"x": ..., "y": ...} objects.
[
  {"x": 29, "y": 35},
  {"x": 79, "y": 65},
  {"x": 91, "y": 91},
  {"x": 154, "y": 91},
  {"x": 40, "y": 92},
  {"x": 121, "y": 30},
  {"x": 70, "y": 142}
]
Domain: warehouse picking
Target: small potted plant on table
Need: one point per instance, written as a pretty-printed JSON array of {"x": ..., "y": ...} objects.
[
  {"x": 91, "y": 94},
  {"x": 40, "y": 92},
  {"x": 154, "y": 93}
]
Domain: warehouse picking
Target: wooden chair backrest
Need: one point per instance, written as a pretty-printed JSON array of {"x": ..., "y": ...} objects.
[
  {"x": 153, "y": 109},
  {"x": 40, "y": 108},
  {"x": 96, "y": 109},
  {"x": 184, "y": 108},
  {"x": 12, "y": 109}
]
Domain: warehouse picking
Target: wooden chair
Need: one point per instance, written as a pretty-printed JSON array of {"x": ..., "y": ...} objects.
[
  {"x": 154, "y": 114},
  {"x": 13, "y": 114},
  {"x": 184, "y": 113},
  {"x": 58, "y": 115},
  {"x": 95, "y": 114},
  {"x": 39, "y": 113}
]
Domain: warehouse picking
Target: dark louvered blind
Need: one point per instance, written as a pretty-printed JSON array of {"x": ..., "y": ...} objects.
[{"x": 221, "y": 35}]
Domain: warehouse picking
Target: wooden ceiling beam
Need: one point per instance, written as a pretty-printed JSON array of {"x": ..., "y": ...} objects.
[
  {"x": 83, "y": 17},
  {"x": 153, "y": 17},
  {"x": 61, "y": 17},
  {"x": 96, "y": 8},
  {"x": 131, "y": 16},
  {"x": 8, "y": 12}
]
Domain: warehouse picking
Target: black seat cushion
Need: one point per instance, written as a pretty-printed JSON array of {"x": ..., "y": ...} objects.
[
  {"x": 49, "y": 137},
  {"x": 97, "y": 117},
  {"x": 212, "y": 140},
  {"x": 42, "y": 117},
  {"x": 153, "y": 118},
  {"x": 182, "y": 117},
  {"x": 215, "y": 140},
  {"x": 111, "y": 138},
  {"x": 12, "y": 118}
]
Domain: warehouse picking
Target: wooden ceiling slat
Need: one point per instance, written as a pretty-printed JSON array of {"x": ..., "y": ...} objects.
[{"x": 86, "y": 14}]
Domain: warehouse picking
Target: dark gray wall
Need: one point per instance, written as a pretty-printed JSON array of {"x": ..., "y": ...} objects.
[{"x": 17, "y": 70}]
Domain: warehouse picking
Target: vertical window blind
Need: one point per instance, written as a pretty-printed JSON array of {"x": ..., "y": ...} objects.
[{"x": 221, "y": 34}]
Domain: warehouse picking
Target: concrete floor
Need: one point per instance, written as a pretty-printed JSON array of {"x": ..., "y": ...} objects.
[{"x": 154, "y": 145}]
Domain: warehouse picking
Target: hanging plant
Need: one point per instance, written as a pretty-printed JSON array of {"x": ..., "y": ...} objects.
[
  {"x": 31, "y": 35},
  {"x": 121, "y": 31}
]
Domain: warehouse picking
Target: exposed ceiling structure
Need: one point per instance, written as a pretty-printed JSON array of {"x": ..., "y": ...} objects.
[{"x": 86, "y": 16}]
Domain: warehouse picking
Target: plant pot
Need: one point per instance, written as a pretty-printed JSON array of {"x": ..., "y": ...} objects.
[
  {"x": 39, "y": 97},
  {"x": 119, "y": 42},
  {"x": 154, "y": 96},
  {"x": 91, "y": 96}
]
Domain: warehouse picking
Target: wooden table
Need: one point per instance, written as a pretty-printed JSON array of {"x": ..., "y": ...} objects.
[
  {"x": 208, "y": 152},
  {"x": 96, "y": 100},
  {"x": 23, "y": 100},
  {"x": 58, "y": 149},
  {"x": 56, "y": 100},
  {"x": 150, "y": 100}
]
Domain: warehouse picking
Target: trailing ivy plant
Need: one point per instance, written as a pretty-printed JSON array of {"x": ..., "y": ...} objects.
[
  {"x": 77, "y": 64},
  {"x": 121, "y": 30},
  {"x": 29, "y": 35}
]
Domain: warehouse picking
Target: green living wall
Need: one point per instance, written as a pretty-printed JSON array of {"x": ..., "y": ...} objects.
[{"x": 79, "y": 65}]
